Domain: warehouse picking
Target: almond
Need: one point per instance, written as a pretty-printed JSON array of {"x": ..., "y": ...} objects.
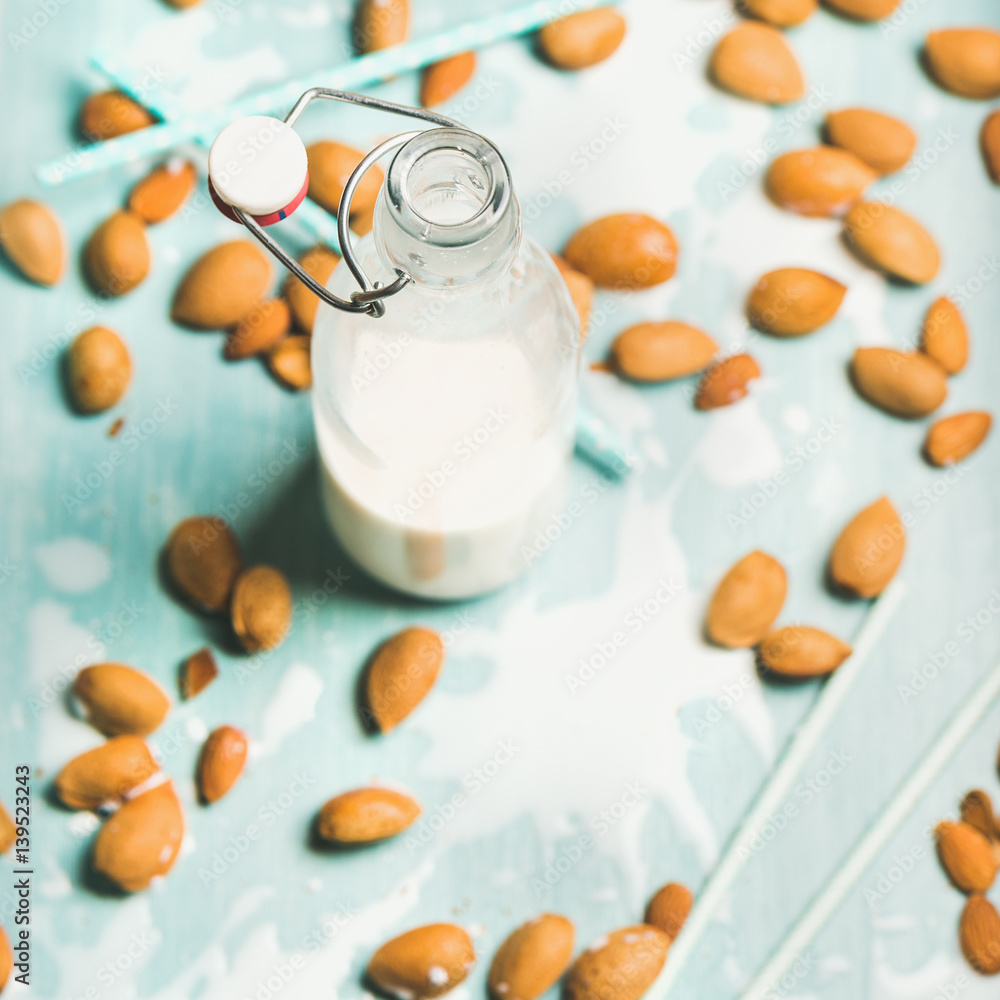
[
  {"x": 118, "y": 700},
  {"x": 105, "y": 774},
  {"x": 290, "y": 362},
  {"x": 197, "y": 672},
  {"x": 654, "y": 352},
  {"x": 531, "y": 959},
  {"x": 989, "y": 141},
  {"x": 141, "y": 840},
  {"x": 893, "y": 241},
  {"x": 319, "y": 264},
  {"x": 864, "y": 10},
  {"x": 669, "y": 908},
  {"x": 116, "y": 257},
  {"x": 628, "y": 251},
  {"x": 98, "y": 370},
  {"x": 954, "y": 438},
  {"x": 380, "y": 23},
  {"x": 904, "y": 383},
  {"x": 160, "y": 193},
  {"x": 794, "y": 300},
  {"x": 979, "y": 935},
  {"x": 782, "y": 13},
  {"x": 425, "y": 962},
  {"x": 111, "y": 113},
  {"x": 261, "y": 608},
  {"x": 203, "y": 559},
  {"x": 966, "y": 856},
  {"x": 330, "y": 167},
  {"x": 867, "y": 553},
  {"x": 581, "y": 290},
  {"x": 365, "y": 815},
  {"x": 259, "y": 330},
  {"x": 966, "y": 61},
  {"x": 977, "y": 811},
  {"x": 882, "y": 142},
  {"x": 223, "y": 756},
  {"x": 619, "y": 966},
  {"x": 6, "y": 959},
  {"x": 802, "y": 651},
  {"x": 747, "y": 601},
  {"x": 32, "y": 237},
  {"x": 726, "y": 382},
  {"x": 823, "y": 181},
  {"x": 944, "y": 336},
  {"x": 754, "y": 61},
  {"x": 583, "y": 39},
  {"x": 441, "y": 81},
  {"x": 401, "y": 672},
  {"x": 8, "y": 830},
  {"x": 222, "y": 286}
]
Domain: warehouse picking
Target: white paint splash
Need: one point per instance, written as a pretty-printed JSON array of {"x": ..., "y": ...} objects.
[
  {"x": 738, "y": 447},
  {"x": 293, "y": 706},
  {"x": 73, "y": 565}
]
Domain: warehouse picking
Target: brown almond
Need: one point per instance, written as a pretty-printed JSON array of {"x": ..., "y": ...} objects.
[
  {"x": 141, "y": 840},
  {"x": 365, "y": 815},
  {"x": 223, "y": 756},
  {"x": 979, "y": 935},
  {"x": 893, "y": 241},
  {"x": 290, "y": 361},
  {"x": 781, "y": 13},
  {"x": 197, "y": 672},
  {"x": 669, "y": 908},
  {"x": 954, "y": 438},
  {"x": 425, "y": 962},
  {"x": 380, "y": 23},
  {"x": 319, "y": 264},
  {"x": 401, "y": 672},
  {"x": 105, "y": 774},
  {"x": 222, "y": 286},
  {"x": 6, "y": 959},
  {"x": 32, "y": 238},
  {"x": 162, "y": 192},
  {"x": 802, "y": 651},
  {"x": 98, "y": 369},
  {"x": 619, "y": 966},
  {"x": 261, "y": 608},
  {"x": 906, "y": 384},
  {"x": 754, "y": 61},
  {"x": 8, "y": 830},
  {"x": 116, "y": 257},
  {"x": 882, "y": 142},
  {"x": 726, "y": 382},
  {"x": 203, "y": 559},
  {"x": 111, "y": 113},
  {"x": 966, "y": 856},
  {"x": 655, "y": 352},
  {"x": 120, "y": 700},
  {"x": 868, "y": 551},
  {"x": 864, "y": 10},
  {"x": 989, "y": 143},
  {"x": 532, "y": 958},
  {"x": 965, "y": 61},
  {"x": 581, "y": 290},
  {"x": 259, "y": 330},
  {"x": 944, "y": 336},
  {"x": 747, "y": 601},
  {"x": 441, "y": 81},
  {"x": 330, "y": 167},
  {"x": 582, "y": 39},
  {"x": 627, "y": 251},
  {"x": 977, "y": 811},
  {"x": 823, "y": 181},
  {"x": 792, "y": 301}
]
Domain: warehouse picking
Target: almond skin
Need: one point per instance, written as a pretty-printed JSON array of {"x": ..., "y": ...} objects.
[
  {"x": 6, "y": 959},
  {"x": 261, "y": 608},
  {"x": 944, "y": 336},
  {"x": 669, "y": 908},
  {"x": 141, "y": 840},
  {"x": 966, "y": 856},
  {"x": 792, "y": 301},
  {"x": 979, "y": 935},
  {"x": 726, "y": 382},
  {"x": 583, "y": 39},
  {"x": 754, "y": 61},
  {"x": 867, "y": 553},
  {"x": 380, "y": 23},
  {"x": 655, "y": 352},
  {"x": 893, "y": 241},
  {"x": 441, "y": 81},
  {"x": 161, "y": 193},
  {"x": 116, "y": 257},
  {"x": 197, "y": 672},
  {"x": 120, "y": 700},
  {"x": 223, "y": 756},
  {"x": 106, "y": 773},
  {"x": 581, "y": 290},
  {"x": 781, "y": 13},
  {"x": 747, "y": 601},
  {"x": 425, "y": 962},
  {"x": 98, "y": 369},
  {"x": 365, "y": 815},
  {"x": 203, "y": 558},
  {"x": 802, "y": 651},
  {"x": 822, "y": 181},
  {"x": 977, "y": 811},
  {"x": 989, "y": 142},
  {"x": 290, "y": 361},
  {"x": 399, "y": 675},
  {"x": 956, "y": 437},
  {"x": 259, "y": 330},
  {"x": 882, "y": 142},
  {"x": 906, "y": 384},
  {"x": 221, "y": 287},
  {"x": 532, "y": 958},
  {"x": 965, "y": 61},
  {"x": 111, "y": 113},
  {"x": 32, "y": 238},
  {"x": 319, "y": 264},
  {"x": 8, "y": 830},
  {"x": 330, "y": 167},
  {"x": 619, "y": 966},
  {"x": 864, "y": 10},
  {"x": 628, "y": 251}
]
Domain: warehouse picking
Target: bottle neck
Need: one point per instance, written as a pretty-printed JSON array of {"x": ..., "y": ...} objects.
[{"x": 447, "y": 215}]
